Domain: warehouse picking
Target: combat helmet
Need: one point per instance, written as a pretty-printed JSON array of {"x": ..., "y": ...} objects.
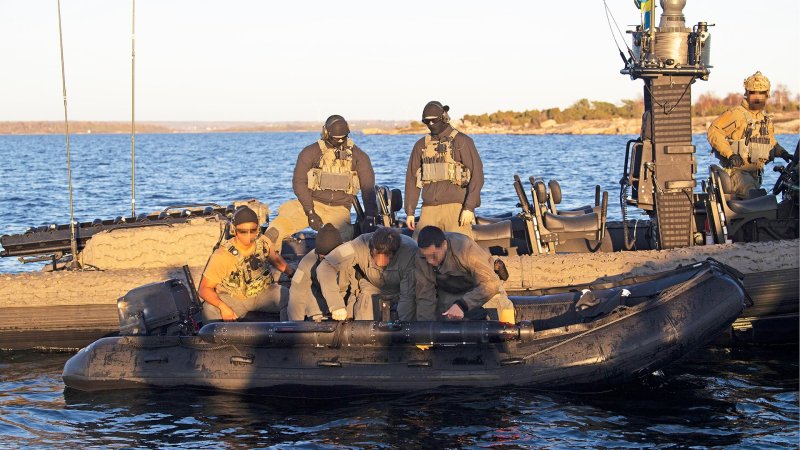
[{"x": 757, "y": 82}]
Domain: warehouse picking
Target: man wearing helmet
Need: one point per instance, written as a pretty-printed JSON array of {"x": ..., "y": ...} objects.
[
  {"x": 327, "y": 176},
  {"x": 743, "y": 138},
  {"x": 446, "y": 168}
]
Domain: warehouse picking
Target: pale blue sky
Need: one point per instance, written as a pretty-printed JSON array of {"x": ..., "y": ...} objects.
[{"x": 304, "y": 60}]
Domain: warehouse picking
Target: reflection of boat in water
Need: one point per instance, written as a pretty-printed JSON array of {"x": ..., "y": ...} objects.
[
  {"x": 543, "y": 245},
  {"x": 564, "y": 339}
]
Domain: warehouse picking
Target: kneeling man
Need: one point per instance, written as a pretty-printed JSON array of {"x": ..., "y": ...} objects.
[
  {"x": 305, "y": 295},
  {"x": 383, "y": 262},
  {"x": 455, "y": 278}
]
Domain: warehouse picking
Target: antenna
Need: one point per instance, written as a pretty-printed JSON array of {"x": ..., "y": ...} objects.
[
  {"x": 133, "y": 110},
  {"x": 73, "y": 243}
]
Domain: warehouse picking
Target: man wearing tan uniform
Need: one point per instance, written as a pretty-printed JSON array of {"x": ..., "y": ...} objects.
[
  {"x": 327, "y": 176},
  {"x": 455, "y": 278},
  {"x": 238, "y": 278},
  {"x": 384, "y": 265},
  {"x": 743, "y": 138},
  {"x": 446, "y": 168}
]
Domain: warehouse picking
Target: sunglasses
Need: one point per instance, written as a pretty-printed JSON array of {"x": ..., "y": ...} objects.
[
  {"x": 431, "y": 121},
  {"x": 247, "y": 230}
]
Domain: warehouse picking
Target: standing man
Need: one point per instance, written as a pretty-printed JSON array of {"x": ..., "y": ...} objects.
[
  {"x": 743, "y": 138},
  {"x": 455, "y": 278},
  {"x": 305, "y": 295},
  {"x": 238, "y": 278},
  {"x": 328, "y": 175},
  {"x": 446, "y": 167},
  {"x": 384, "y": 265}
]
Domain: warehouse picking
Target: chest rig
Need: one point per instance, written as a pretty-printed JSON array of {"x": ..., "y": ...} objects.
[
  {"x": 334, "y": 171},
  {"x": 754, "y": 146},
  {"x": 438, "y": 163},
  {"x": 252, "y": 273}
]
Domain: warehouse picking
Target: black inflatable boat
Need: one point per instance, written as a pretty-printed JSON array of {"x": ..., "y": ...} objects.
[{"x": 566, "y": 339}]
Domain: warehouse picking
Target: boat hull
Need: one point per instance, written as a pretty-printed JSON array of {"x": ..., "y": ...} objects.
[{"x": 625, "y": 344}]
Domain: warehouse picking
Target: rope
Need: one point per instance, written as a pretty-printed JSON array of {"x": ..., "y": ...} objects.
[{"x": 665, "y": 105}]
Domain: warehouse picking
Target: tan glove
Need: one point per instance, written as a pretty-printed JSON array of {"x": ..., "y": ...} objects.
[
  {"x": 410, "y": 222},
  {"x": 467, "y": 218},
  {"x": 339, "y": 314}
]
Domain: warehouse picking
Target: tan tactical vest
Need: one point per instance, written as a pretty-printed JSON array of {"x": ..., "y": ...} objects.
[
  {"x": 252, "y": 274},
  {"x": 438, "y": 163},
  {"x": 754, "y": 147},
  {"x": 333, "y": 172}
]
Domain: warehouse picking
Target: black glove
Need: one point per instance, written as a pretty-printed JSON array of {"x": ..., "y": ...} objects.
[
  {"x": 735, "y": 161},
  {"x": 314, "y": 221},
  {"x": 783, "y": 154},
  {"x": 367, "y": 224}
]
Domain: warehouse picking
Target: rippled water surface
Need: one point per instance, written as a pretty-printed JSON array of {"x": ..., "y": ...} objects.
[
  {"x": 719, "y": 398},
  {"x": 192, "y": 168}
]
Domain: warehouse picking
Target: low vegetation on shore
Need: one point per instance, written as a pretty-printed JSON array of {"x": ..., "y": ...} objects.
[{"x": 582, "y": 117}]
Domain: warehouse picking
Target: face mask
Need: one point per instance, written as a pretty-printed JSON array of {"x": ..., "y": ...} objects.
[
  {"x": 436, "y": 126},
  {"x": 336, "y": 141}
]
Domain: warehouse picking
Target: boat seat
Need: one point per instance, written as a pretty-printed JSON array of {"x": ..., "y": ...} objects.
[
  {"x": 554, "y": 188},
  {"x": 493, "y": 231},
  {"x": 560, "y": 228},
  {"x": 754, "y": 205},
  {"x": 569, "y": 224},
  {"x": 736, "y": 213},
  {"x": 481, "y": 220}
]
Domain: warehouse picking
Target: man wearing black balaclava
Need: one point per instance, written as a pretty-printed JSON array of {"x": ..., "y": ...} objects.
[
  {"x": 327, "y": 176},
  {"x": 446, "y": 168}
]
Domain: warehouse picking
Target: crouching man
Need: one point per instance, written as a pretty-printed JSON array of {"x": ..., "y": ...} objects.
[
  {"x": 383, "y": 262},
  {"x": 238, "y": 278},
  {"x": 455, "y": 279},
  {"x": 305, "y": 295}
]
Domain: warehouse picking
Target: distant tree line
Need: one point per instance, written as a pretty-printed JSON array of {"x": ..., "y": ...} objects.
[{"x": 781, "y": 100}]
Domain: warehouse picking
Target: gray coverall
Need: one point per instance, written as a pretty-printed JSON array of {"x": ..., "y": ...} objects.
[
  {"x": 305, "y": 294},
  {"x": 395, "y": 282},
  {"x": 466, "y": 277}
]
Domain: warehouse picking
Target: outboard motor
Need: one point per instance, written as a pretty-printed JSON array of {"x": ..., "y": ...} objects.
[
  {"x": 660, "y": 166},
  {"x": 166, "y": 308}
]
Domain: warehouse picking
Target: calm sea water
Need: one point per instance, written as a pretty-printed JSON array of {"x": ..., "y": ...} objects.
[{"x": 719, "y": 398}]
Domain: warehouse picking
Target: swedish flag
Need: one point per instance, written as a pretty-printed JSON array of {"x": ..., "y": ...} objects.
[{"x": 646, "y": 7}]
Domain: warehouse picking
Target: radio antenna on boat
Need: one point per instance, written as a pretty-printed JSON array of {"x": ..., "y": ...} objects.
[
  {"x": 72, "y": 241},
  {"x": 133, "y": 110}
]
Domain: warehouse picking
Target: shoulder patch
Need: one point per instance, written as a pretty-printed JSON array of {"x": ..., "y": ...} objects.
[
  {"x": 298, "y": 276},
  {"x": 346, "y": 250}
]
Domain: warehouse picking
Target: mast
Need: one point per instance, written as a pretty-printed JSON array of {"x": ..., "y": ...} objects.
[
  {"x": 662, "y": 161},
  {"x": 73, "y": 242}
]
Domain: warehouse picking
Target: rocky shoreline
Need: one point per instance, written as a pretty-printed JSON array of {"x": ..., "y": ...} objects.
[{"x": 785, "y": 123}]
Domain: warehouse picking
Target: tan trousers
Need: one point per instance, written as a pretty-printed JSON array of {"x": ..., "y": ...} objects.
[
  {"x": 274, "y": 298},
  {"x": 497, "y": 307},
  {"x": 743, "y": 181},
  {"x": 442, "y": 216},
  {"x": 291, "y": 219}
]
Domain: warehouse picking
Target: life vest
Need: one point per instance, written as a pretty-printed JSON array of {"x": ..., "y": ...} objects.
[
  {"x": 251, "y": 274},
  {"x": 754, "y": 146},
  {"x": 438, "y": 163},
  {"x": 334, "y": 170}
]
